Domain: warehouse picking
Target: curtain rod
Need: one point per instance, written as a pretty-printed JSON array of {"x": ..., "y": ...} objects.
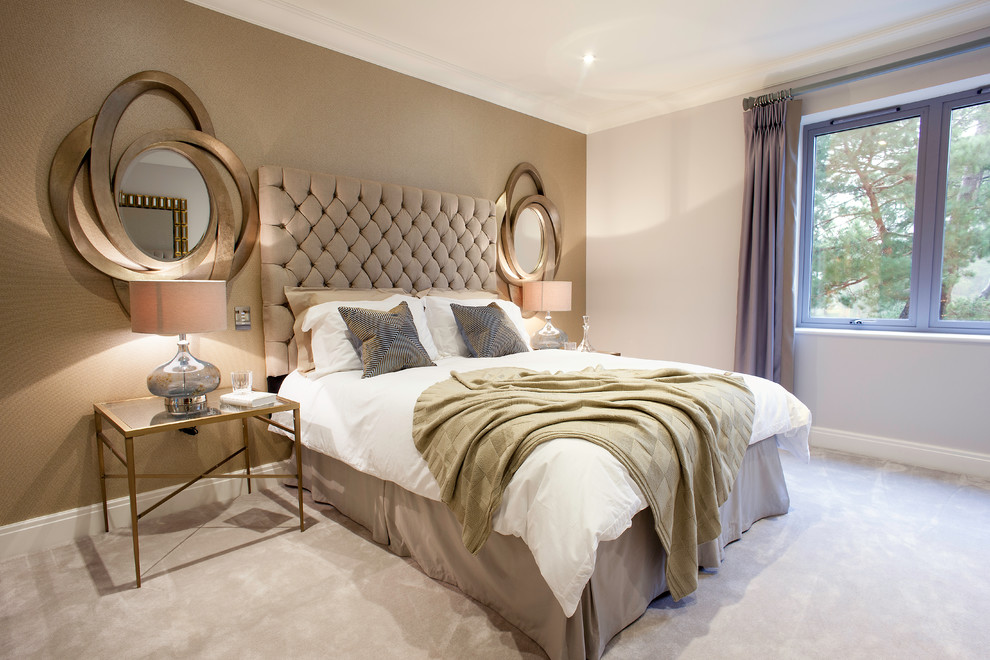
[{"x": 751, "y": 101}]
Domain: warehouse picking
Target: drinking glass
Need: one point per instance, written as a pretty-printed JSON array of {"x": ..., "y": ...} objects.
[{"x": 240, "y": 381}]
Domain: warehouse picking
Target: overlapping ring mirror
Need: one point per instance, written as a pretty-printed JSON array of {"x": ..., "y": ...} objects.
[
  {"x": 144, "y": 190},
  {"x": 529, "y": 241}
]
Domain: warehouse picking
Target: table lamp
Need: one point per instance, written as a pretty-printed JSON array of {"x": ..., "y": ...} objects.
[
  {"x": 547, "y": 297},
  {"x": 178, "y": 307}
]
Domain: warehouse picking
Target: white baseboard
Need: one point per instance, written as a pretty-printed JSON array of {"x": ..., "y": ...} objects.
[
  {"x": 49, "y": 531},
  {"x": 903, "y": 451}
]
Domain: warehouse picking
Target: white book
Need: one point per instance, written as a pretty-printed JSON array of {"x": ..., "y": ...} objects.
[{"x": 248, "y": 399}]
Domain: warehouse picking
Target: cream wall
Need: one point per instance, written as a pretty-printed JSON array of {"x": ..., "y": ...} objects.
[
  {"x": 273, "y": 100},
  {"x": 664, "y": 200},
  {"x": 664, "y": 218},
  {"x": 919, "y": 399}
]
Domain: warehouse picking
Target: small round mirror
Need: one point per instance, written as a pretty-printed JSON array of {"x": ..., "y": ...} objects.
[
  {"x": 528, "y": 239},
  {"x": 164, "y": 204}
]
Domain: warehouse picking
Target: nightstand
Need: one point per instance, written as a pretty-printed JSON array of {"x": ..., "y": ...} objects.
[{"x": 134, "y": 418}]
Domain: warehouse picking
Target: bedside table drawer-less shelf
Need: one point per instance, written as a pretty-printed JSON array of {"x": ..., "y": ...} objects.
[{"x": 134, "y": 418}]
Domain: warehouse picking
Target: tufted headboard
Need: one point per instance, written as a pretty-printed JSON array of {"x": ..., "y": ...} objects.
[{"x": 319, "y": 230}]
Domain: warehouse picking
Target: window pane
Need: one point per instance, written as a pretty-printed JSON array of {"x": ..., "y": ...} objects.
[
  {"x": 965, "y": 292},
  {"x": 863, "y": 235}
]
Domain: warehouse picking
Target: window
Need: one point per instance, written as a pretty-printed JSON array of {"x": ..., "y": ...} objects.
[{"x": 896, "y": 218}]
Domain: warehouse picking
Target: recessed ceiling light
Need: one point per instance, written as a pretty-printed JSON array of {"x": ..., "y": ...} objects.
[{"x": 588, "y": 58}]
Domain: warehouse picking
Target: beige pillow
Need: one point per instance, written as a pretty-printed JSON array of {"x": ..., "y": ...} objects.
[
  {"x": 302, "y": 298},
  {"x": 459, "y": 294}
]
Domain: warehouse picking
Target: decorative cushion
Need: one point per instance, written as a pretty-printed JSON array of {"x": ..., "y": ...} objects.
[
  {"x": 335, "y": 348},
  {"x": 443, "y": 326},
  {"x": 487, "y": 330},
  {"x": 301, "y": 298},
  {"x": 389, "y": 341}
]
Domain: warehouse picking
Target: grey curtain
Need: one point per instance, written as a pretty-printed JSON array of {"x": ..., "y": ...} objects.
[{"x": 765, "y": 303}]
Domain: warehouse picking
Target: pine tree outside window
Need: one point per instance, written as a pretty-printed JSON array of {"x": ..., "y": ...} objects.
[{"x": 896, "y": 218}]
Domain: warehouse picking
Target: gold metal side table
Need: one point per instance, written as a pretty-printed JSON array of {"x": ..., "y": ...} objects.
[{"x": 134, "y": 418}]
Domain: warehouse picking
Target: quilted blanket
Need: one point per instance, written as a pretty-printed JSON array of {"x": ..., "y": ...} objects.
[{"x": 680, "y": 435}]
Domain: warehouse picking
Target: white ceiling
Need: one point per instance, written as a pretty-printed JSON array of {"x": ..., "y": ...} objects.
[{"x": 652, "y": 56}]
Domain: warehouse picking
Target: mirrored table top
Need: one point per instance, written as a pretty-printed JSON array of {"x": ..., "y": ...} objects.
[{"x": 133, "y": 417}]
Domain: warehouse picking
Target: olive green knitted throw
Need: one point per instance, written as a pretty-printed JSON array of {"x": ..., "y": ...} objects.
[{"x": 681, "y": 436}]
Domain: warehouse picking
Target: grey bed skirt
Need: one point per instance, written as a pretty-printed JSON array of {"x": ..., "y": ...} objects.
[{"x": 629, "y": 572}]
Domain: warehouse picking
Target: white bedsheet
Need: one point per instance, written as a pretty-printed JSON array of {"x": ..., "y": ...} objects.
[{"x": 567, "y": 497}]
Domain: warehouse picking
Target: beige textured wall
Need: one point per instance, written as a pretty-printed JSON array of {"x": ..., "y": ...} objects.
[{"x": 273, "y": 100}]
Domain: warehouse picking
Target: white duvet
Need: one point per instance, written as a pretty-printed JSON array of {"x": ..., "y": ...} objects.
[{"x": 567, "y": 497}]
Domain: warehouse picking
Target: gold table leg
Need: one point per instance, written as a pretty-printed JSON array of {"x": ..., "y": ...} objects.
[
  {"x": 247, "y": 452},
  {"x": 132, "y": 491},
  {"x": 103, "y": 469},
  {"x": 299, "y": 479}
]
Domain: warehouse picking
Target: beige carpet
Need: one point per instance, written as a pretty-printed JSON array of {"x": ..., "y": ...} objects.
[{"x": 874, "y": 560}]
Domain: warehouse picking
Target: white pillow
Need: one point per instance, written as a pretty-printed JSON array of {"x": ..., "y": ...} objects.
[
  {"x": 302, "y": 298},
  {"x": 443, "y": 325},
  {"x": 333, "y": 348}
]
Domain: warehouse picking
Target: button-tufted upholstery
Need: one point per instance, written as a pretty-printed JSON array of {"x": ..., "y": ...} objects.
[{"x": 319, "y": 230}]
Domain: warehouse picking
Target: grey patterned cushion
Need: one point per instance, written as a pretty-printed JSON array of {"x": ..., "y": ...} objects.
[
  {"x": 388, "y": 339},
  {"x": 487, "y": 330}
]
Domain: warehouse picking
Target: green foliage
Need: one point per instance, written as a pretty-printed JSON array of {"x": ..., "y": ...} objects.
[
  {"x": 967, "y": 210},
  {"x": 865, "y": 185},
  {"x": 967, "y": 309},
  {"x": 864, "y": 220}
]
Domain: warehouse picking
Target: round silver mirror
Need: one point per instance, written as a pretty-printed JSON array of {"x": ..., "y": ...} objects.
[
  {"x": 164, "y": 204},
  {"x": 528, "y": 239}
]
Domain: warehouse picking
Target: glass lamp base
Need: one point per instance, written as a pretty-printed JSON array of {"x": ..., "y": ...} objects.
[
  {"x": 185, "y": 405},
  {"x": 184, "y": 381},
  {"x": 548, "y": 337}
]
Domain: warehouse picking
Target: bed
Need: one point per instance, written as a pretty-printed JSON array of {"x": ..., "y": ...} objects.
[{"x": 567, "y": 565}]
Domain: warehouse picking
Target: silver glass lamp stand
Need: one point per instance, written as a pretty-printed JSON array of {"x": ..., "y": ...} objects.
[
  {"x": 549, "y": 336},
  {"x": 184, "y": 381}
]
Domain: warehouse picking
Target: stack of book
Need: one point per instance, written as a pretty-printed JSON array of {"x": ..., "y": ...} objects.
[{"x": 248, "y": 399}]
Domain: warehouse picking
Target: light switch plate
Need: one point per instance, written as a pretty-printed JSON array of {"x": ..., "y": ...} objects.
[{"x": 242, "y": 318}]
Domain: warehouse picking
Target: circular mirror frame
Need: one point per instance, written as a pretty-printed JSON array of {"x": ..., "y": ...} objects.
[
  {"x": 88, "y": 215},
  {"x": 507, "y": 264}
]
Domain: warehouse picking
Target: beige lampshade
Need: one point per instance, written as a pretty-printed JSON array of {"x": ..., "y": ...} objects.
[
  {"x": 548, "y": 296},
  {"x": 175, "y": 307}
]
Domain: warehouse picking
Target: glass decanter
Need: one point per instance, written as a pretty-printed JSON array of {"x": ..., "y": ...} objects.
[{"x": 585, "y": 344}]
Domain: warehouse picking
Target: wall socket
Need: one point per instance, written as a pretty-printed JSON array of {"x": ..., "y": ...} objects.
[{"x": 242, "y": 318}]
